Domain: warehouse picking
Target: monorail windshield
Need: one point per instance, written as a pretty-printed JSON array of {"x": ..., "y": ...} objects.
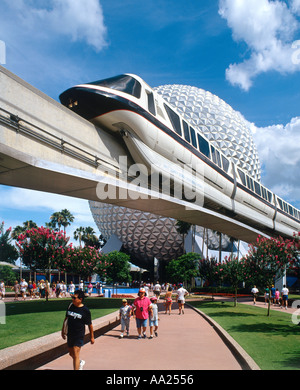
[{"x": 122, "y": 83}]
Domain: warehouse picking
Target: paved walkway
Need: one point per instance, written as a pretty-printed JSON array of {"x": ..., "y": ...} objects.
[{"x": 184, "y": 342}]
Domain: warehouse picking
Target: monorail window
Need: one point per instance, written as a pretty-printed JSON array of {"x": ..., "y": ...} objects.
[
  {"x": 151, "y": 105},
  {"x": 250, "y": 183},
  {"x": 174, "y": 118},
  {"x": 204, "y": 147},
  {"x": 280, "y": 203},
  {"x": 123, "y": 83},
  {"x": 242, "y": 176},
  {"x": 186, "y": 131},
  {"x": 270, "y": 196},
  {"x": 193, "y": 136},
  {"x": 215, "y": 156},
  {"x": 290, "y": 210},
  {"x": 257, "y": 188},
  {"x": 225, "y": 163}
]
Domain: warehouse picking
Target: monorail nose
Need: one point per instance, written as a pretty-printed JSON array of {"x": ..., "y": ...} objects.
[{"x": 88, "y": 102}]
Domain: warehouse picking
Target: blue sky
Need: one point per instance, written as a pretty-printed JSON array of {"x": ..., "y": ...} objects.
[{"x": 246, "y": 52}]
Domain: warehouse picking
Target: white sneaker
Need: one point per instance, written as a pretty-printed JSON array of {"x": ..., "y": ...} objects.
[
  {"x": 82, "y": 363},
  {"x": 121, "y": 335}
]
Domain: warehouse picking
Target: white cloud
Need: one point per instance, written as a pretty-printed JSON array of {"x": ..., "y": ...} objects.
[
  {"x": 77, "y": 19},
  {"x": 268, "y": 28},
  {"x": 278, "y": 149}
]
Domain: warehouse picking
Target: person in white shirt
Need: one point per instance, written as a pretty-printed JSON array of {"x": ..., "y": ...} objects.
[
  {"x": 157, "y": 290},
  {"x": 181, "y": 294},
  {"x": 254, "y": 291},
  {"x": 285, "y": 296},
  {"x": 80, "y": 287},
  {"x": 71, "y": 288},
  {"x": 23, "y": 288}
]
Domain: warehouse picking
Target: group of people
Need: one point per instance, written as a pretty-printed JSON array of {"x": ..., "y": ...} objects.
[
  {"x": 142, "y": 309},
  {"x": 274, "y": 295},
  {"x": 40, "y": 289}
]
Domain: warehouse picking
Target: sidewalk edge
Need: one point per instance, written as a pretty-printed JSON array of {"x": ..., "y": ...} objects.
[{"x": 246, "y": 362}]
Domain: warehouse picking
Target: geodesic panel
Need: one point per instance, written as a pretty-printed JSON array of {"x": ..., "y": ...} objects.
[
  {"x": 144, "y": 235},
  {"x": 225, "y": 128}
]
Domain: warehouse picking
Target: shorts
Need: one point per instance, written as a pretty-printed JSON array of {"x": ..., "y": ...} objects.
[
  {"x": 157, "y": 293},
  {"x": 285, "y": 297},
  {"x": 75, "y": 342},
  {"x": 140, "y": 322},
  {"x": 153, "y": 322},
  {"x": 180, "y": 301}
]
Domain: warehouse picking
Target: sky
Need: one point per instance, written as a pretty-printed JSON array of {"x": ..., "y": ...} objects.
[{"x": 247, "y": 52}]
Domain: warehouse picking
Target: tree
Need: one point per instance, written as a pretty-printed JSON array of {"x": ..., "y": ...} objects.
[
  {"x": 61, "y": 218},
  {"x": 7, "y": 275},
  {"x": 268, "y": 260},
  {"x": 208, "y": 270},
  {"x": 183, "y": 229},
  {"x": 22, "y": 229},
  {"x": 117, "y": 267},
  {"x": 84, "y": 262},
  {"x": 184, "y": 268},
  {"x": 42, "y": 248},
  {"x": 232, "y": 272},
  {"x": 78, "y": 234},
  {"x": 8, "y": 252}
]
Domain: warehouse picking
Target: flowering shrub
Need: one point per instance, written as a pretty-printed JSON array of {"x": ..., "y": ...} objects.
[
  {"x": 268, "y": 260},
  {"x": 42, "y": 248},
  {"x": 85, "y": 262}
]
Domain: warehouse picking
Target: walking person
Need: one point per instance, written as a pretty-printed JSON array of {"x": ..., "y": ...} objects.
[
  {"x": 23, "y": 288},
  {"x": 77, "y": 316},
  {"x": 2, "y": 289},
  {"x": 180, "y": 299},
  {"x": 168, "y": 300},
  {"x": 157, "y": 290},
  {"x": 90, "y": 289},
  {"x": 58, "y": 289},
  {"x": 254, "y": 292},
  {"x": 153, "y": 319},
  {"x": 267, "y": 295},
  {"x": 16, "y": 290},
  {"x": 124, "y": 316},
  {"x": 71, "y": 288},
  {"x": 277, "y": 296},
  {"x": 141, "y": 306},
  {"x": 284, "y": 296}
]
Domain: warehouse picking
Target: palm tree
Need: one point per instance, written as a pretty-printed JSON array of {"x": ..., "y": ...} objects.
[
  {"x": 22, "y": 229},
  {"x": 78, "y": 234},
  {"x": 183, "y": 229},
  {"x": 62, "y": 218},
  {"x": 68, "y": 218},
  {"x": 56, "y": 219}
]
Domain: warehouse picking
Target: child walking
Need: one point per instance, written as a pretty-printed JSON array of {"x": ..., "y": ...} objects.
[
  {"x": 153, "y": 319},
  {"x": 124, "y": 315}
]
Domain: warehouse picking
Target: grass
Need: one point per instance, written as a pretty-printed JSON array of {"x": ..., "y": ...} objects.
[
  {"x": 273, "y": 342},
  {"x": 27, "y": 320}
]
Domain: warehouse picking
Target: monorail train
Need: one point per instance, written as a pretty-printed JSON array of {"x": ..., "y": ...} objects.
[{"x": 157, "y": 135}]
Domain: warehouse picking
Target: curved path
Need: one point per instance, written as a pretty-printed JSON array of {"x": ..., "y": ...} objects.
[{"x": 184, "y": 342}]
